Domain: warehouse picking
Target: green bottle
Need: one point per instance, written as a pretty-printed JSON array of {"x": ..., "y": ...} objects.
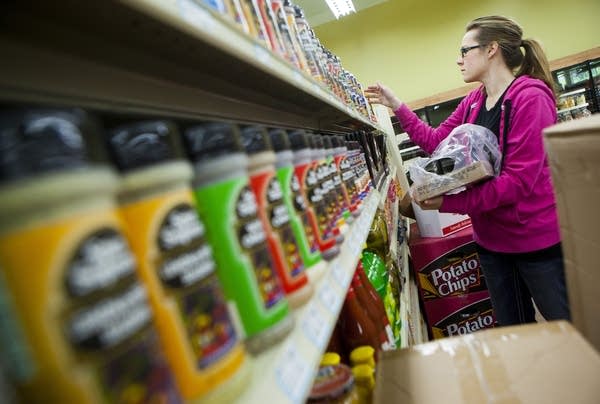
[
  {"x": 284, "y": 165},
  {"x": 228, "y": 208}
]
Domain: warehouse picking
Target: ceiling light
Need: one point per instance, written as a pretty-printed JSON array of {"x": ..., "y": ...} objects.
[{"x": 340, "y": 8}]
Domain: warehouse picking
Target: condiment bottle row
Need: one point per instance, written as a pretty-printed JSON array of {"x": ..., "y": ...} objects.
[{"x": 148, "y": 259}]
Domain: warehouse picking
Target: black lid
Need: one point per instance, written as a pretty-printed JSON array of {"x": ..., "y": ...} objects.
[
  {"x": 211, "y": 140},
  {"x": 141, "y": 144},
  {"x": 41, "y": 140},
  {"x": 336, "y": 142},
  {"x": 298, "y": 139},
  {"x": 316, "y": 141},
  {"x": 327, "y": 142},
  {"x": 279, "y": 139},
  {"x": 255, "y": 139},
  {"x": 353, "y": 145},
  {"x": 299, "y": 12}
]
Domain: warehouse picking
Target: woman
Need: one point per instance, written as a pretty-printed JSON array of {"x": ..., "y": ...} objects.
[{"x": 514, "y": 215}]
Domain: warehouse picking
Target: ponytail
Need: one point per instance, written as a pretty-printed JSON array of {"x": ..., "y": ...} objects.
[{"x": 535, "y": 63}]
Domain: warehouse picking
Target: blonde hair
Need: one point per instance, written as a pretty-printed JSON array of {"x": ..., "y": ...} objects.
[{"x": 509, "y": 36}]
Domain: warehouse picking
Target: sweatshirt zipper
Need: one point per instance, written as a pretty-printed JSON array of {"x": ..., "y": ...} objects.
[{"x": 506, "y": 115}]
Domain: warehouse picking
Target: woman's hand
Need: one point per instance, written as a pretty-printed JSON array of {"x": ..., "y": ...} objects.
[
  {"x": 380, "y": 94},
  {"x": 432, "y": 203}
]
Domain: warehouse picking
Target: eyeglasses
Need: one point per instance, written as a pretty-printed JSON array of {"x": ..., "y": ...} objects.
[{"x": 465, "y": 49}]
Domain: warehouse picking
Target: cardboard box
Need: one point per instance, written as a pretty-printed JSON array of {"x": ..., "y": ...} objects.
[
  {"x": 467, "y": 175},
  {"x": 536, "y": 363},
  {"x": 460, "y": 315},
  {"x": 433, "y": 223},
  {"x": 573, "y": 150},
  {"x": 446, "y": 267}
]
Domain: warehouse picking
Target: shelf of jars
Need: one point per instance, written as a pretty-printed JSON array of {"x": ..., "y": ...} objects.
[
  {"x": 176, "y": 58},
  {"x": 569, "y": 93},
  {"x": 568, "y": 109},
  {"x": 285, "y": 372}
]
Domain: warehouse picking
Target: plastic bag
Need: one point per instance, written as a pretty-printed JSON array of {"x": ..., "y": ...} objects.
[{"x": 465, "y": 145}]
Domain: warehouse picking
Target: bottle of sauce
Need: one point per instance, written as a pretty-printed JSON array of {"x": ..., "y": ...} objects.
[
  {"x": 175, "y": 261},
  {"x": 377, "y": 316},
  {"x": 377, "y": 302},
  {"x": 306, "y": 180},
  {"x": 364, "y": 379},
  {"x": 357, "y": 328},
  {"x": 339, "y": 157},
  {"x": 229, "y": 211},
  {"x": 282, "y": 242},
  {"x": 84, "y": 317},
  {"x": 321, "y": 193},
  {"x": 315, "y": 266}
]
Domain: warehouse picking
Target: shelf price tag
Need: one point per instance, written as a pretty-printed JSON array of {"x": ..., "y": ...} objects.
[
  {"x": 196, "y": 15},
  {"x": 328, "y": 295},
  {"x": 338, "y": 272},
  {"x": 297, "y": 77},
  {"x": 293, "y": 373},
  {"x": 315, "y": 326},
  {"x": 262, "y": 55}
]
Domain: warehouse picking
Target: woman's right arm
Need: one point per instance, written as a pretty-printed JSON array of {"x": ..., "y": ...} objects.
[{"x": 419, "y": 132}]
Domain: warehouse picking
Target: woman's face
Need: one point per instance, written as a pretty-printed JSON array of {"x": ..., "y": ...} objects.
[{"x": 472, "y": 59}]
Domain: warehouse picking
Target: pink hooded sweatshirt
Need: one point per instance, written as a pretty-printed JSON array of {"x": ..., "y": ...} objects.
[{"x": 515, "y": 211}]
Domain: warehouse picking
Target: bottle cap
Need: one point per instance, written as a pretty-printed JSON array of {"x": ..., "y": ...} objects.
[
  {"x": 36, "y": 141},
  {"x": 330, "y": 359},
  {"x": 327, "y": 142},
  {"x": 316, "y": 141},
  {"x": 279, "y": 139},
  {"x": 299, "y": 139},
  {"x": 211, "y": 140},
  {"x": 142, "y": 144},
  {"x": 255, "y": 139},
  {"x": 363, "y": 355}
]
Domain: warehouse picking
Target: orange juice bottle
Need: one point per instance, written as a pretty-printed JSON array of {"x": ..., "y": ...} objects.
[
  {"x": 176, "y": 262},
  {"x": 82, "y": 318}
]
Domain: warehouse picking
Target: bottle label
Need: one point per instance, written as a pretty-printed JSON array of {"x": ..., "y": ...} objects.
[
  {"x": 301, "y": 209},
  {"x": 187, "y": 270},
  {"x": 280, "y": 222},
  {"x": 102, "y": 260},
  {"x": 108, "y": 321},
  {"x": 252, "y": 239},
  {"x": 314, "y": 194}
]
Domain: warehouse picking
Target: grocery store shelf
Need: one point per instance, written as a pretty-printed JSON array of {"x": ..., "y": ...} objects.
[
  {"x": 383, "y": 190},
  {"x": 166, "y": 57},
  {"x": 573, "y": 108},
  {"x": 394, "y": 247},
  {"x": 285, "y": 373},
  {"x": 579, "y": 90}
]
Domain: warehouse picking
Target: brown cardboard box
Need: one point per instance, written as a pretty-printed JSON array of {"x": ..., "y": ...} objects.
[
  {"x": 574, "y": 154},
  {"x": 537, "y": 363},
  {"x": 467, "y": 175}
]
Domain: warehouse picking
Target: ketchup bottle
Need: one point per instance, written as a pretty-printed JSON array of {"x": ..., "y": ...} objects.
[
  {"x": 357, "y": 327},
  {"x": 373, "y": 304}
]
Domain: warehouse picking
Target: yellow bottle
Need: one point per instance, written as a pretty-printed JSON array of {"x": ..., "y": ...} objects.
[
  {"x": 364, "y": 380},
  {"x": 176, "y": 262},
  {"x": 82, "y": 317}
]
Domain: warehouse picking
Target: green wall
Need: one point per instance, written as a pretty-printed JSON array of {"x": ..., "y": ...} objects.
[{"x": 412, "y": 45}]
